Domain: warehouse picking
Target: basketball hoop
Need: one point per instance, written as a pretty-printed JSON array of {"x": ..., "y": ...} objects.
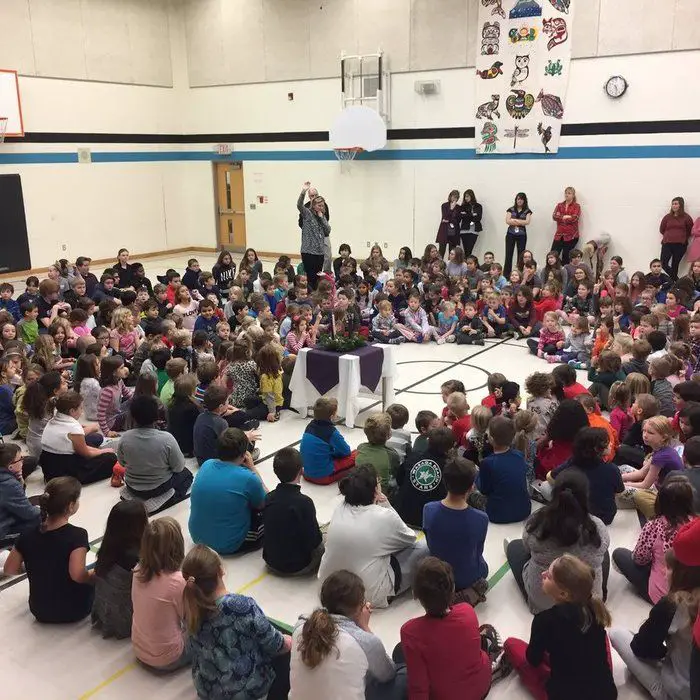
[
  {"x": 346, "y": 154},
  {"x": 3, "y": 128}
]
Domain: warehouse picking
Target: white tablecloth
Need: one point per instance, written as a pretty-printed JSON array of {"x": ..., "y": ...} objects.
[{"x": 349, "y": 387}]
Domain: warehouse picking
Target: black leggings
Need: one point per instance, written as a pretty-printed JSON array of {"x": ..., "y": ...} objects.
[
  {"x": 313, "y": 264},
  {"x": 442, "y": 247},
  {"x": 511, "y": 243},
  {"x": 671, "y": 255},
  {"x": 636, "y": 574},
  {"x": 564, "y": 248},
  {"x": 468, "y": 241}
]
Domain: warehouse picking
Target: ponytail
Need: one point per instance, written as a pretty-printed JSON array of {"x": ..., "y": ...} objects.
[
  {"x": 201, "y": 570},
  {"x": 58, "y": 496},
  {"x": 600, "y": 612},
  {"x": 318, "y": 638}
]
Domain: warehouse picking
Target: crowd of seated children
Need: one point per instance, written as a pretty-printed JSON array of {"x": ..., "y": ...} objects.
[{"x": 635, "y": 357}]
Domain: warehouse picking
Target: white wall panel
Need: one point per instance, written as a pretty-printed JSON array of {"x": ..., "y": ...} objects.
[
  {"x": 243, "y": 44},
  {"x": 149, "y": 43},
  {"x": 57, "y": 30},
  {"x": 332, "y": 31},
  {"x": 16, "y": 50},
  {"x": 205, "y": 43},
  {"x": 439, "y": 34},
  {"x": 286, "y": 36},
  {"x": 585, "y": 31},
  {"x": 473, "y": 44},
  {"x": 107, "y": 49},
  {"x": 385, "y": 25},
  {"x": 635, "y": 26},
  {"x": 686, "y": 26}
]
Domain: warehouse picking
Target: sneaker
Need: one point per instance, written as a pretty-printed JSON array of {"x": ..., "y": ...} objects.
[
  {"x": 440, "y": 341},
  {"x": 479, "y": 341},
  {"x": 255, "y": 454},
  {"x": 397, "y": 341},
  {"x": 553, "y": 359},
  {"x": 501, "y": 668},
  {"x": 451, "y": 339},
  {"x": 4, "y": 554},
  {"x": 490, "y": 641}
]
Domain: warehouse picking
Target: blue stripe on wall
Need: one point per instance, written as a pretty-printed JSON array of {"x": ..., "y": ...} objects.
[{"x": 565, "y": 153}]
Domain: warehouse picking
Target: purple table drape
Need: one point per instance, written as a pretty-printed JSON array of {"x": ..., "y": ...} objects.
[{"x": 323, "y": 373}]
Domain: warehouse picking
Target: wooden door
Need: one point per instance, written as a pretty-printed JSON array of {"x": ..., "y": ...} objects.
[{"x": 231, "y": 205}]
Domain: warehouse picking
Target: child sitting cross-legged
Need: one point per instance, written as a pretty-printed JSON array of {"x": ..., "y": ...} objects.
[
  {"x": 503, "y": 476},
  {"x": 476, "y": 441},
  {"x": 17, "y": 513},
  {"x": 416, "y": 326},
  {"x": 456, "y": 533},
  {"x": 551, "y": 340},
  {"x": 494, "y": 316},
  {"x": 471, "y": 329},
  {"x": 447, "y": 324},
  {"x": 458, "y": 417},
  {"x": 661, "y": 388},
  {"x": 447, "y": 653},
  {"x": 539, "y": 386},
  {"x": 577, "y": 351},
  {"x": 325, "y": 453},
  {"x": 619, "y": 404},
  {"x": 384, "y": 324},
  {"x": 567, "y": 657},
  {"x": 293, "y": 544},
  {"x": 60, "y": 586},
  {"x": 604, "y": 372},
  {"x": 375, "y": 451},
  {"x": 597, "y": 420}
]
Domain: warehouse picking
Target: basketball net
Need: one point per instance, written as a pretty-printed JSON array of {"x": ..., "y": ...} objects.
[
  {"x": 3, "y": 128},
  {"x": 347, "y": 154}
]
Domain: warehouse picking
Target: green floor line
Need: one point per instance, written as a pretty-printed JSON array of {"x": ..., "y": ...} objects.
[{"x": 499, "y": 575}]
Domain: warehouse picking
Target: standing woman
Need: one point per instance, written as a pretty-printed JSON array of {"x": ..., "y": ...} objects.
[
  {"x": 518, "y": 219},
  {"x": 448, "y": 232},
  {"x": 314, "y": 230},
  {"x": 675, "y": 231},
  {"x": 224, "y": 272},
  {"x": 124, "y": 269},
  {"x": 567, "y": 215},
  {"x": 470, "y": 223}
]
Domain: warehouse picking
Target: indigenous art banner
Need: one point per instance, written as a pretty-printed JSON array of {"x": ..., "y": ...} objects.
[{"x": 523, "y": 59}]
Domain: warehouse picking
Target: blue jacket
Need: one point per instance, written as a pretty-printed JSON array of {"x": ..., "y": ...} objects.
[
  {"x": 8, "y": 423},
  {"x": 503, "y": 480},
  {"x": 17, "y": 514},
  {"x": 320, "y": 445},
  {"x": 12, "y": 307},
  {"x": 208, "y": 325}
]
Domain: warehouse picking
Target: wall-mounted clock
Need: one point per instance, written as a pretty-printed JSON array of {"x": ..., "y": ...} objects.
[{"x": 616, "y": 87}]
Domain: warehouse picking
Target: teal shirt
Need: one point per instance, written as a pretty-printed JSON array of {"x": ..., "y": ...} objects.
[{"x": 223, "y": 497}]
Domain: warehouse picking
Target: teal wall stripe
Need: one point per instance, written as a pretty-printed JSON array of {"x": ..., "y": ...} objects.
[{"x": 461, "y": 154}]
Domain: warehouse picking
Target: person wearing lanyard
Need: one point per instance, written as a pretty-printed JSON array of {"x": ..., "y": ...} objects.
[
  {"x": 518, "y": 219},
  {"x": 470, "y": 225},
  {"x": 567, "y": 215},
  {"x": 448, "y": 232}
]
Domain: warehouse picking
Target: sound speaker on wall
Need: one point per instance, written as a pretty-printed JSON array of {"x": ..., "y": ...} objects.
[{"x": 14, "y": 241}]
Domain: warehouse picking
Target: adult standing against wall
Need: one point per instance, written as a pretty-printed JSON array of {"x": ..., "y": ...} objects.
[
  {"x": 470, "y": 224},
  {"x": 675, "y": 231},
  {"x": 567, "y": 215},
  {"x": 448, "y": 231},
  {"x": 517, "y": 219},
  {"x": 314, "y": 231}
]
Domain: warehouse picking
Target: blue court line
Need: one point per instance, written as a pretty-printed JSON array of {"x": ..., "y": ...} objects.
[{"x": 460, "y": 154}]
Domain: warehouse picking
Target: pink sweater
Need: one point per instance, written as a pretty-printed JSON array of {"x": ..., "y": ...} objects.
[
  {"x": 620, "y": 421},
  {"x": 547, "y": 338}
]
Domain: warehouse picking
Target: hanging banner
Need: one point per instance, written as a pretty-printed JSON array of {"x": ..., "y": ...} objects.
[{"x": 523, "y": 59}]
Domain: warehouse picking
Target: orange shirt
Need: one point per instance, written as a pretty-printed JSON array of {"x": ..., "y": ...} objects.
[{"x": 595, "y": 420}]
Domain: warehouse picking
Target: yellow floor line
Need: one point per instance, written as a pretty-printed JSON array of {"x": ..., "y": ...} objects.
[
  {"x": 118, "y": 674},
  {"x": 108, "y": 681}
]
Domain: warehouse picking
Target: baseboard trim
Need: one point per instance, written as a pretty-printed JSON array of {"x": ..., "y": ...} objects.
[{"x": 98, "y": 262}]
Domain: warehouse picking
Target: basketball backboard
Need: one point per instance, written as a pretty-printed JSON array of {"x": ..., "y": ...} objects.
[{"x": 10, "y": 105}]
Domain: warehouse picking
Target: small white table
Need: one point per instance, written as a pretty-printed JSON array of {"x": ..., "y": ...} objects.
[{"x": 349, "y": 386}]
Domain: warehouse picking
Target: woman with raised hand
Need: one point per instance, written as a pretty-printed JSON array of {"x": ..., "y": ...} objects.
[
  {"x": 314, "y": 230},
  {"x": 448, "y": 231}
]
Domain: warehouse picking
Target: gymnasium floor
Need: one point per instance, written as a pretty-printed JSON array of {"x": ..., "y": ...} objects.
[{"x": 59, "y": 663}]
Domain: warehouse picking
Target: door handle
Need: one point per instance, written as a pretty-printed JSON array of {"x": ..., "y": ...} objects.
[{"x": 229, "y": 212}]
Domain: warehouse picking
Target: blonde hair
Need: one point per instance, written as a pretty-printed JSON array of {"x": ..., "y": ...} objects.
[
  {"x": 121, "y": 318},
  {"x": 201, "y": 570},
  {"x": 576, "y": 578},
  {"x": 457, "y": 401},
  {"x": 660, "y": 311},
  {"x": 162, "y": 548},
  {"x": 525, "y": 423},
  {"x": 552, "y": 315},
  {"x": 572, "y": 190},
  {"x": 638, "y": 383},
  {"x": 662, "y": 426},
  {"x": 625, "y": 342},
  {"x": 181, "y": 338},
  {"x": 378, "y": 428},
  {"x": 481, "y": 417}
]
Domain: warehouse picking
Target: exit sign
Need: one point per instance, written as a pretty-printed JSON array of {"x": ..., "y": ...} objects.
[{"x": 223, "y": 149}]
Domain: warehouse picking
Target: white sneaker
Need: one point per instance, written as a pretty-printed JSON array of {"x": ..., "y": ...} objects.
[
  {"x": 441, "y": 341},
  {"x": 4, "y": 554}
]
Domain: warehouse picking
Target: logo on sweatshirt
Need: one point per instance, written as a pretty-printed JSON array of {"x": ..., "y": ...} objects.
[{"x": 425, "y": 475}]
